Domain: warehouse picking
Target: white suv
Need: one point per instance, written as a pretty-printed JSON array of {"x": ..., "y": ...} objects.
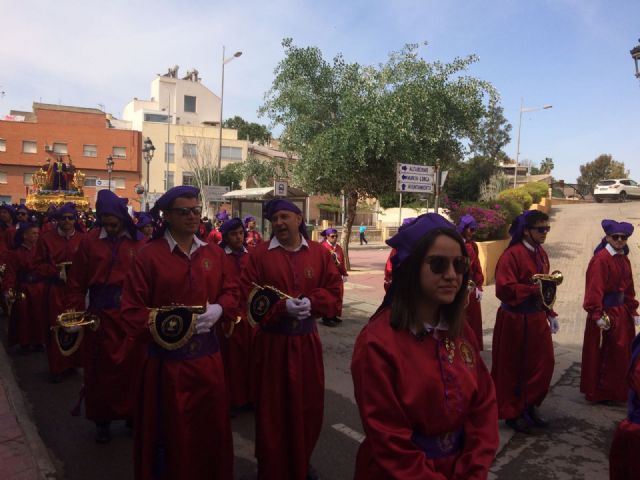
[{"x": 617, "y": 188}]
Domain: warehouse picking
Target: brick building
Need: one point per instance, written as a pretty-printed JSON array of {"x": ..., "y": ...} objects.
[{"x": 29, "y": 139}]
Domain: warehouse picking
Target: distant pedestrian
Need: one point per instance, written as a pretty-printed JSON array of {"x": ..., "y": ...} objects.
[
  {"x": 612, "y": 308},
  {"x": 426, "y": 399},
  {"x": 363, "y": 238}
]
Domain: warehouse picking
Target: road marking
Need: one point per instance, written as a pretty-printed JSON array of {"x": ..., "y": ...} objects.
[{"x": 352, "y": 434}]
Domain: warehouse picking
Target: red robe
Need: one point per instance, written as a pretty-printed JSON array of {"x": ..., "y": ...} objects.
[
  {"x": 522, "y": 356},
  {"x": 473, "y": 310},
  {"x": 253, "y": 238},
  {"x": 27, "y": 325},
  {"x": 195, "y": 425},
  {"x": 388, "y": 269},
  {"x": 288, "y": 369},
  {"x": 214, "y": 236},
  {"x": 339, "y": 256},
  {"x": 53, "y": 249},
  {"x": 112, "y": 363},
  {"x": 603, "y": 369},
  {"x": 236, "y": 349},
  {"x": 405, "y": 384},
  {"x": 624, "y": 461}
]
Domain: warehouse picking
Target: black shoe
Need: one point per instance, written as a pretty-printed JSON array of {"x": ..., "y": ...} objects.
[
  {"x": 329, "y": 322},
  {"x": 103, "y": 432},
  {"x": 312, "y": 474},
  {"x": 532, "y": 416},
  {"x": 519, "y": 425},
  {"x": 337, "y": 319}
]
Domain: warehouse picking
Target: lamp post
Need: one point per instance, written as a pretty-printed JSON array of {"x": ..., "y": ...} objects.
[
  {"x": 147, "y": 153},
  {"x": 109, "y": 169},
  {"x": 522, "y": 110},
  {"x": 635, "y": 54},
  {"x": 224, "y": 62}
]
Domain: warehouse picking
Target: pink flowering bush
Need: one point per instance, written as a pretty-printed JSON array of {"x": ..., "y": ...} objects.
[{"x": 493, "y": 220}]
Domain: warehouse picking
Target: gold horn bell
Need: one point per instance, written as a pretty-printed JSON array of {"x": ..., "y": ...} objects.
[{"x": 555, "y": 276}]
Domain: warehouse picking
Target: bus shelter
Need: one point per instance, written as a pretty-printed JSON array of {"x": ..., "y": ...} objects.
[{"x": 250, "y": 201}]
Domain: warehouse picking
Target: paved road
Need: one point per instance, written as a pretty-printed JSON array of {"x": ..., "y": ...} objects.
[{"x": 575, "y": 447}]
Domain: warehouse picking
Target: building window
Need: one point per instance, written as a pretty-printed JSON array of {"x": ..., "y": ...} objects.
[
  {"x": 119, "y": 152},
  {"x": 189, "y": 150},
  {"x": 5, "y": 198},
  {"x": 119, "y": 182},
  {"x": 90, "y": 181},
  {"x": 29, "y": 146},
  {"x": 60, "y": 148},
  {"x": 90, "y": 150},
  {"x": 233, "y": 154},
  {"x": 168, "y": 184},
  {"x": 3, "y": 177},
  {"x": 155, "y": 117},
  {"x": 189, "y": 104},
  {"x": 3, "y": 145},
  {"x": 169, "y": 148},
  {"x": 28, "y": 179},
  {"x": 188, "y": 179}
]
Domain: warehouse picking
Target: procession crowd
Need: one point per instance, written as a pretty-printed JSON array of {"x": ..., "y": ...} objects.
[{"x": 179, "y": 324}]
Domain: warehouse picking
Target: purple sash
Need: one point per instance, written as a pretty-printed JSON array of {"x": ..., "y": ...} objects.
[
  {"x": 613, "y": 299},
  {"x": 531, "y": 305},
  {"x": 28, "y": 277},
  {"x": 104, "y": 297},
  {"x": 439, "y": 446},
  {"x": 198, "y": 346},
  {"x": 291, "y": 327}
]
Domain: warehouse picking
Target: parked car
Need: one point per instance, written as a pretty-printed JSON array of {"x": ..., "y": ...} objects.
[{"x": 616, "y": 188}]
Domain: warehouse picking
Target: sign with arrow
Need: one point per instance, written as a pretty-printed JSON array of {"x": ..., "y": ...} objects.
[{"x": 415, "y": 178}]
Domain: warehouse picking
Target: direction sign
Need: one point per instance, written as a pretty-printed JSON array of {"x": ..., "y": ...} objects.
[
  {"x": 213, "y": 193},
  {"x": 412, "y": 168},
  {"x": 416, "y": 178},
  {"x": 414, "y": 187}
]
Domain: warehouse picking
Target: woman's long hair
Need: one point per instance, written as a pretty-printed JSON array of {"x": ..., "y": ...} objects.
[{"x": 407, "y": 288}]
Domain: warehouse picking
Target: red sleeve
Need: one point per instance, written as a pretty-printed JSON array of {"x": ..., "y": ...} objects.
[
  {"x": 634, "y": 377},
  {"x": 387, "y": 428},
  {"x": 326, "y": 300},
  {"x": 597, "y": 274},
  {"x": 229, "y": 295},
  {"x": 630, "y": 293},
  {"x": 343, "y": 265},
  {"x": 388, "y": 270},
  {"x": 9, "y": 280},
  {"x": 43, "y": 261},
  {"x": 135, "y": 298},
  {"x": 78, "y": 278},
  {"x": 509, "y": 289}
]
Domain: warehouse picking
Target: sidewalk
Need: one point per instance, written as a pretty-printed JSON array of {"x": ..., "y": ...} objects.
[{"x": 23, "y": 455}]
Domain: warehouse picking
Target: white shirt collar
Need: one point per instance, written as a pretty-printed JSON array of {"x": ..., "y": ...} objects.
[
  {"x": 228, "y": 250},
  {"x": 612, "y": 251},
  {"x": 195, "y": 245},
  {"x": 103, "y": 234},
  {"x": 528, "y": 246},
  {"x": 275, "y": 244}
]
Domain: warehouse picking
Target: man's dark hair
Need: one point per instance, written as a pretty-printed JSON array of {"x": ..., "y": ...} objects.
[{"x": 534, "y": 217}]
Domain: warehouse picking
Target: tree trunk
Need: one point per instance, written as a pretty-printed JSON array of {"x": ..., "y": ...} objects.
[{"x": 352, "y": 203}]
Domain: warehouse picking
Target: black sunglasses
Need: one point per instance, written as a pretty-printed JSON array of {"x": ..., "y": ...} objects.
[
  {"x": 185, "y": 211},
  {"x": 440, "y": 264},
  {"x": 21, "y": 213},
  {"x": 618, "y": 238},
  {"x": 540, "y": 229},
  {"x": 67, "y": 217},
  {"x": 332, "y": 236}
]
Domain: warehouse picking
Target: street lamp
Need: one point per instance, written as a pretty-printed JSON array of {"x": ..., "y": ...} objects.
[
  {"x": 635, "y": 54},
  {"x": 109, "y": 169},
  {"x": 147, "y": 153},
  {"x": 522, "y": 110},
  {"x": 224, "y": 62}
]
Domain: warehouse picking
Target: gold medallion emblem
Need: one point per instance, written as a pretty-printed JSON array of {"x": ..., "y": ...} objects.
[
  {"x": 172, "y": 326},
  {"x": 466, "y": 352},
  {"x": 262, "y": 305},
  {"x": 132, "y": 253},
  {"x": 206, "y": 264},
  {"x": 308, "y": 272}
]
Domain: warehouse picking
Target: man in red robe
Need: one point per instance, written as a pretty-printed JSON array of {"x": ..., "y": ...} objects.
[
  {"x": 522, "y": 356},
  {"x": 236, "y": 333},
  {"x": 182, "y": 425},
  {"x": 253, "y": 236},
  {"x": 25, "y": 290},
  {"x": 467, "y": 227},
  {"x": 612, "y": 308},
  {"x": 330, "y": 242},
  {"x": 53, "y": 261},
  {"x": 111, "y": 362},
  {"x": 287, "y": 350}
]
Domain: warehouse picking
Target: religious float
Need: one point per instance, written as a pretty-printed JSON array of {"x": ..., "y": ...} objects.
[{"x": 57, "y": 183}]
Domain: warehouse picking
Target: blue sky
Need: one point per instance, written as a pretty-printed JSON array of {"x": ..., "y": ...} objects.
[{"x": 573, "y": 54}]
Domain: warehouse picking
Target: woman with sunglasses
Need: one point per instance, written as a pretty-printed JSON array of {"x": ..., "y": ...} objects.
[
  {"x": 467, "y": 227},
  {"x": 522, "y": 353},
  {"x": 426, "y": 399},
  {"x": 609, "y": 295}
]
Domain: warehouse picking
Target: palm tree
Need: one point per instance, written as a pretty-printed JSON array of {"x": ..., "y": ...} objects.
[{"x": 546, "y": 165}]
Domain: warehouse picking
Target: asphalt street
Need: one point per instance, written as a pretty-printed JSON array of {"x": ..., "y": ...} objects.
[{"x": 574, "y": 447}]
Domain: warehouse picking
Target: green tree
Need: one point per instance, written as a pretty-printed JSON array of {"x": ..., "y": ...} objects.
[
  {"x": 254, "y": 132},
  {"x": 546, "y": 165},
  {"x": 602, "y": 167},
  {"x": 350, "y": 124},
  {"x": 465, "y": 180},
  {"x": 493, "y": 134},
  {"x": 263, "y": 173}
]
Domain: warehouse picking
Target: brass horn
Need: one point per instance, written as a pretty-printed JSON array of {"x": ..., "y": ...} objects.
[
  {"x": 78, "y": 319},
  {"x": 555, "y": 276}
]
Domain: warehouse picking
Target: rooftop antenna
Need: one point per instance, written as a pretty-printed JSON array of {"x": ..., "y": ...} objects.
[{"x": 101, "y": 105}]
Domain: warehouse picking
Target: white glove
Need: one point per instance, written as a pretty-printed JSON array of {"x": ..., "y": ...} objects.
[
  {"x": 299, "y": 308},
  {"x": 602, "y": 324},
  {"x": 478, "y": 294},
  {"x": 63, "y": 273},
  {"x": 209, "y": 318},
  {"x": 636, "y": 320},
  {"x": 344, "y": 279},
  {"x": 554, "y": 324}
]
